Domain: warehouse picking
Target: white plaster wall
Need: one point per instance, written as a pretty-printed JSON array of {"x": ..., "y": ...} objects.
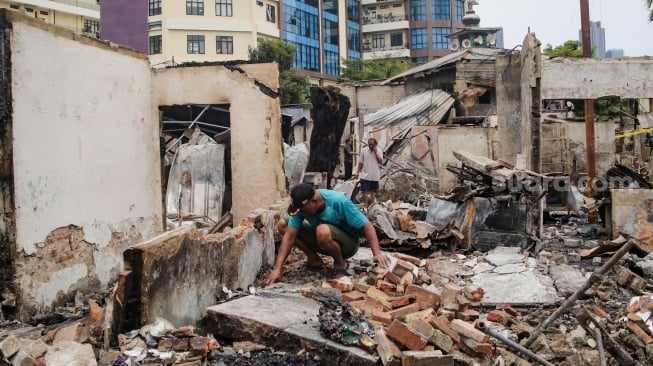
[
  {"x": 604, "y": 146},
  {"x": 86, "y": 149},
  {"x": 590, "y": 78},
  {"x": 258, "y": 179},
  {"x": 474, "y": 140}
]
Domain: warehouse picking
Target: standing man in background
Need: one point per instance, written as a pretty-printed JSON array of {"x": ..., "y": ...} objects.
[
  {"x": 349, "y": 157},
  {"x": 369, "y": 171}
]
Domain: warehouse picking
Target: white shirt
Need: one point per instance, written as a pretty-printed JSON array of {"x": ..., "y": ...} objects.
[{"x": 371, "y": 169}]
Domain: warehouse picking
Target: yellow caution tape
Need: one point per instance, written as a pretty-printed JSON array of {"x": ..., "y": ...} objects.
[{"x": 633, "y": 133}]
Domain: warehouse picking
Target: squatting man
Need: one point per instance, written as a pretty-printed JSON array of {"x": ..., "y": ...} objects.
[{"x": 324, "y": 222}]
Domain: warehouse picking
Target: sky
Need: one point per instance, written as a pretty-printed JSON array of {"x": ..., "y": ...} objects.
[{"x": 557, "y": 21}]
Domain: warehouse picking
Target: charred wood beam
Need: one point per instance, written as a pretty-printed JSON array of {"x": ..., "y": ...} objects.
[
  {"x": 584, "y": 318},
  {"x": 484, "y": 327}
]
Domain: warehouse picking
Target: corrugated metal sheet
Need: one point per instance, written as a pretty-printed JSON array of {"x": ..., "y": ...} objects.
[
  {"x": 424, "y": 108},
  {"x": 480, "y": 54}
]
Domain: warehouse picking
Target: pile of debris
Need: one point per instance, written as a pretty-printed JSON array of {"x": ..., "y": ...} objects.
[{"x": 422, "y": 317}]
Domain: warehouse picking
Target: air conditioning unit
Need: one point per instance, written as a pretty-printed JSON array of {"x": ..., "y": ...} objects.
[
  {"x": 454, "y": 45},
  {"x": 466, "y": 43}
]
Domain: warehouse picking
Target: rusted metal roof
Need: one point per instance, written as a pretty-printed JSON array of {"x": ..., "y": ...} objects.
[
  {"x": 479, "y": 54},
  {"x": 424, "y": 108}
]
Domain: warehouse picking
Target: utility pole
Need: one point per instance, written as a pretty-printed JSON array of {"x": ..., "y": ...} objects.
[{"x": 589, "y": 104}]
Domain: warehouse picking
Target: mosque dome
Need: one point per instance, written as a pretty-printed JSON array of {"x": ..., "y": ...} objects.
[{"x": 471, "y": 19}]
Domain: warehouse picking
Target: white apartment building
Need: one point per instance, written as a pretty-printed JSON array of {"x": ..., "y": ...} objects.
[{"x": 81, "y": 16}]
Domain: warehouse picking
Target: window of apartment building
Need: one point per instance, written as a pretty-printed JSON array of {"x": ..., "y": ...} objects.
[
  {"x": 441, "y": 9},
  {"x": 396, "y": 39},
  {"x": 195, "y": 44},
  {"x": 224, "y": 8},
  {"x": 194, "y": 7},
  {"x": 460, "y": 9},
  {"x": 378, "y": 41},
  {"x": 353, "y": 38},
  {"x": 399, "y": 5},
  {"x": 418, "y": 38},
  {"x": 307, "y": 58},
  {"x": 92, "y": 26},
  {"x": 331, "y": 63},
  {"x": 270, "y": 13},
  {"x": 154, "y": 25},
  {"x": 155, "y": 7},
  {"x": 29, "y": 10},
  {"x": 259, "y": 3},
  {"x": 155, "y": 45},
  {"x": 384, "y": 7},
  {"x": 224, "y": 45},
  {"x": 331, "y": 34},
  {"x": 440, "y": 40},
  {"x": 353, "y": 10},
  {"x": 43, "y": 12},
  {"x": 417, "y": 10},
  {"x": 14, "y": 6},
  {"x": 302, "y": 23}
]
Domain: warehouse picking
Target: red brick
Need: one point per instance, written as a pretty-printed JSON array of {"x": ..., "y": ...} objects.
[
  {"x": 388, "y": 351},
  {"x": 352, "y": 296},
  {"x": 367, "y": 306},
  {"x": 468, "y": 315},
  {"x": 306, "y": 291},
  {"x": 401, "y": 301},
  {"x": 508, "y": 309},
  {"x": 342, "y": 285},
  {"x": 362, "y": 287},
  {"x": 641, "y": 333},
  {"x": 406, "y": 336},
  {"x": 402, "y": 267},
  {"x": 387, "y": 287},
  {"x": 442, "y": 324},
  {"x": 468, "y": 330},
  {"x": 408, "y": 258},
  {"x": 392, "y": 278},
  {"x": 497, "y": 316},
  {"x": 422, "y": 295},
  {"x": 382, "y": 317},
  {"x": 403, "y": 311},
  {"x": 426, "y": 358},
  {"x": 450, "y": 315},
  {"x": 379, "y": 296},
  {"x": 407, "y": 279}
]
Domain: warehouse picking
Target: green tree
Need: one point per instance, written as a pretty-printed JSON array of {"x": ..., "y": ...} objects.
[
  {"x": 649, "y": 4},
  {"x": 568, "y": 49},
  {"x": 355, "y": 70},
  {"x": 293, "y": 86}
]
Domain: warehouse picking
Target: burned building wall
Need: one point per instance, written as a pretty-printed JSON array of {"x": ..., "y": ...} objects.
[
  {"x": 509, "y": 117},
  {"x": 83, "y": 161},
  {"x": 474, "y": 140},
  {"x": 591, "y": 78},
  {"x": 255, "y": 121}
]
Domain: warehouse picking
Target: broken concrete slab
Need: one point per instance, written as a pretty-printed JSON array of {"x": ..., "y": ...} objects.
[
  {"x": 283, "y": 321},
  {"x": 521, "y": 285},
  {"x": 567, "y": 279}
]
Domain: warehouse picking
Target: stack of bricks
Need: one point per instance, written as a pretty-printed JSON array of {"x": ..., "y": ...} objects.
[{"x": 416, "y": 322}]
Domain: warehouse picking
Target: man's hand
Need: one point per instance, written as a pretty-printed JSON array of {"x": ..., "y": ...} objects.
[
  {"x": 381, "y": 259},
  {"x": 272, "y": 277}
]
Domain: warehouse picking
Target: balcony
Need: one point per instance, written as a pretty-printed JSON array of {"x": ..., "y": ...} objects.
[
  {"x": 384, "y": 23},
  {"x": 372, "y": 2},
  {"x": 372, "y": 53}
]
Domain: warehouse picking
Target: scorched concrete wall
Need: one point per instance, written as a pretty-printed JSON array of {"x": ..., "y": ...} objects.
[
  {"x": 591, "y": 78},
  {"x": 256, "y": 149},
  {"x": 85, "y": 162}
]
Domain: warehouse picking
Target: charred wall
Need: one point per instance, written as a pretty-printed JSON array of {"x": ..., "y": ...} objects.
[{"x": 7, "y": 221}]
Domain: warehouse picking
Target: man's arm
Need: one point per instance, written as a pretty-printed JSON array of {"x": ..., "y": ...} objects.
[
  {"x": 379, "y": 155},
  {"x": 373, "y": 241},
  {"x": 287, "y": 243}
]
